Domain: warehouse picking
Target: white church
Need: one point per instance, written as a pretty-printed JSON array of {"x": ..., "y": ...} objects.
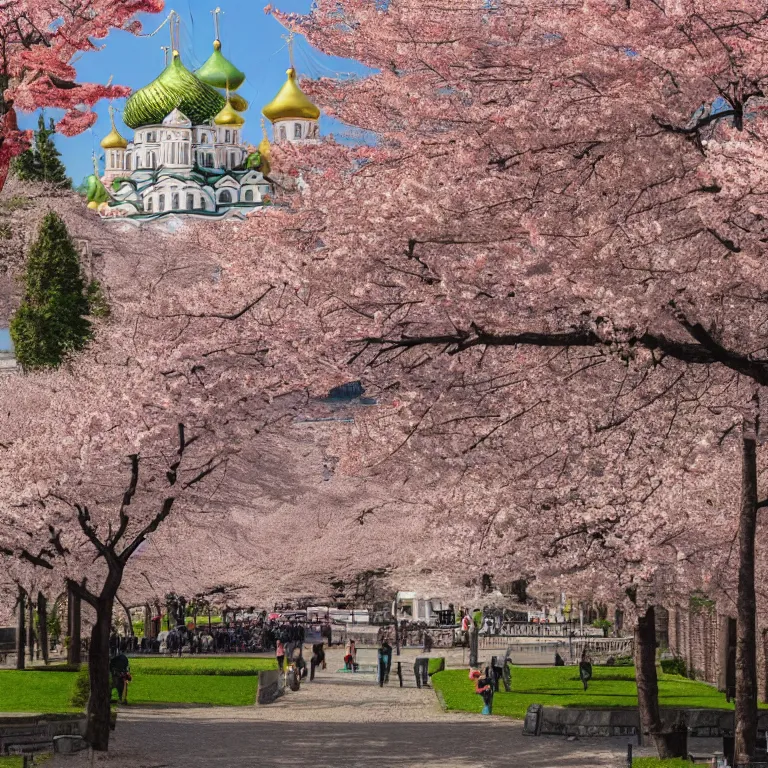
[{"x": 188, "y": 155}]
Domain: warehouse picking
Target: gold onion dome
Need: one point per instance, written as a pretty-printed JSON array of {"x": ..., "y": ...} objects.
[
  {"x": 291, "y": 103},
  {"x": 113, "y": 140},
  {"x": 229, "y": 117},
  {"x": 219, "y": 71}
]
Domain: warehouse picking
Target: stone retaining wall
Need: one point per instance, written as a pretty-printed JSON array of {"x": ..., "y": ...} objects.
[
  {"x": 568, "y": 721},
  {"x": 271, "y": 686}
]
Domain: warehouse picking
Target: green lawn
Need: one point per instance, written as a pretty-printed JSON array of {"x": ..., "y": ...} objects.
[
  {"x": 610, "y": 687},
  {"x": 219, "y": 690},
  {"x": 203, "y": 680},
  {"x": 200, "y": 665},
  {"x": 42, "y": 692},
  {"x": 11, "y": 762},
  {"x": 655, "y": 762}
]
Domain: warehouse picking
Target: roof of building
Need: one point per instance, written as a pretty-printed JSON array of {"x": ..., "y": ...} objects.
[
  {"x": 291, "y": 103},
  {"x": 219, "y": 72},
  {"x": 175, "y": 88}
]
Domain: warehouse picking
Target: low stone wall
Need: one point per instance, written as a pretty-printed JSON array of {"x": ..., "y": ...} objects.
[
  {"x": 271, "y": 686},
  {"x": 38, "y": 729},
  {"x": 567, "y": 721}
]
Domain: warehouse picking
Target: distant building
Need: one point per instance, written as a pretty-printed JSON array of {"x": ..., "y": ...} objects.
[{"x": 187, "y": 155}]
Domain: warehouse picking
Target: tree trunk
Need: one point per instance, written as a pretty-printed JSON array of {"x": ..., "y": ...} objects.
[
  {"x": 648, "y": 686},
  {"x": 98, "y": 714},
  {"x": 745, "y": 731},
  {"x": 20, "y": 633},
  {"x": 147, "y": 622},
  {"x": 129, "y": 625},
  {"x": 74, "y": 652},
  {"x": 42, "y": 624},
  {"x": 31, "y": 630},
  {"x": 474, "y": 645}
]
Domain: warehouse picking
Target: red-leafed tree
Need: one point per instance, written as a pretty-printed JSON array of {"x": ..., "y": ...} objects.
[{"x": 38, "y": 41}]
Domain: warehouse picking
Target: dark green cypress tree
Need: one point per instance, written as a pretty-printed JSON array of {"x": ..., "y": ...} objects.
[
  {"x": 52, "y": 321},
  {"x": 43, "y": 161}
]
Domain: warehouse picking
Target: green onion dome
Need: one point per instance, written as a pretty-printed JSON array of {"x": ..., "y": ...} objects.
[
  {"x": 176, "y": 88},
  {"x": 219, "y": 72}
]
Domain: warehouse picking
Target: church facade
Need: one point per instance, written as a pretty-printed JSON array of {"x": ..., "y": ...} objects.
[{"x": 188, "y": 155}]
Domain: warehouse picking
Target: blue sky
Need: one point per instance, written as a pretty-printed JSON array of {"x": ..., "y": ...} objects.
[{"x": 251, "y": 40}]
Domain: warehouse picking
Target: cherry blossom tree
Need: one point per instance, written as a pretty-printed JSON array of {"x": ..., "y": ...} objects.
[
  {"x": 38, "y": 42},
  {"x": 585, "y": 180}
]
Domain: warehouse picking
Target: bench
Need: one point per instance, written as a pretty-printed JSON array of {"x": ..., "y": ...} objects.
[
  {"x": 25, "y": 741},
  {"x": 29, "y": 735}
]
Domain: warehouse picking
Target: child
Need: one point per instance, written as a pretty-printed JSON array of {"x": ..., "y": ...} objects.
[{"x": 483, "y": 687}]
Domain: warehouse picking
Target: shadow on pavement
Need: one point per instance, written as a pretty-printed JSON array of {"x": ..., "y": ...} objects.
[{"x": 198, "y": 742}]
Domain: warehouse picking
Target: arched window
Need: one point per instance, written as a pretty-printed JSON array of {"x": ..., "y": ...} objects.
[
  {"x": 151, "y": 160},
  {"x": 190, "y": 201},
  {"x": 205, "y": 138},
  {"x": 227, "y": 137},
  {"x": 161, "y": 203},
  {"x": 175, "y": 201},
  {"x": 150, "y": 206},
  {"x": 297, "y": 130},
  {"x": 232, "y": 160},
  {"x": 128, "y": 163},
  {"x": 248, "y": 195},
  {"x": 209, "y": 160},
  {"x": 225, "y": 196},
  {"x": 283, "y": 134}
]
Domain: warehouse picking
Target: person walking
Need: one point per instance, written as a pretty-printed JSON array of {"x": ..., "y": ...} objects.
[
  {"x": 385, "y": 662},
  {"x": 317, "y": 659},
  {"x": 280, "y": 654},
  {"x": 350, "y": 654},
  {"x": 466, "y": 623}
]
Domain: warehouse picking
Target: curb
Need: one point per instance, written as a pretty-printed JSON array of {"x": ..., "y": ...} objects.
[{"x": 440, "y": 699}]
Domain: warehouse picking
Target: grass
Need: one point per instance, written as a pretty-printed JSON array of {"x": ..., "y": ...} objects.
[
  {"x": 202, "y": 665},
  {"x": 610, "y": 688},
  {"x": 655, "y": 762},
  {"x": 212, "y": 690},
  {"x": 203, "y": 681},
  {"x": 11, "y": 762},
  {"x": 35, "y": 692}
]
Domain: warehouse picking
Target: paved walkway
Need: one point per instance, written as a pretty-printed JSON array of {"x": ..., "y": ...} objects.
[{"x": 342, "y": 721}]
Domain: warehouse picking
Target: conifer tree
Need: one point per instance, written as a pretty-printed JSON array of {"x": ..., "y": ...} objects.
[
  {"x": 43, "y": 161},
  {"x": 52, "y": 320}
]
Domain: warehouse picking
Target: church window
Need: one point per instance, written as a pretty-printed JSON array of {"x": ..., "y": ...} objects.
[
  {"x": 227, "y": 137},
  {"x": 190, "y": 201},
  {"x": 128, "y": 163},
  {"x": 297, "y": 130},
  {"x": 248, "y": 195},
  {"x": 210, "y": 162},
  {"x": 205, "y": 138},
  {"x": 225, "y": 196},
  {"x": 151, "y": 160},
  {"x": 232, "y": 160},
  {"x": 161, "y": 203},
  {"x": 283, "y": 134},
  {"x": 173, "y": 154},
  {"x": 150, "y": 206},
  {"x": 185, "y": 154},
  {"x": 175, "y": 201}
]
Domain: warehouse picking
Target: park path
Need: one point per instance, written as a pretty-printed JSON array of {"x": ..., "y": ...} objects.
[{"x": 340, "y": 721}]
